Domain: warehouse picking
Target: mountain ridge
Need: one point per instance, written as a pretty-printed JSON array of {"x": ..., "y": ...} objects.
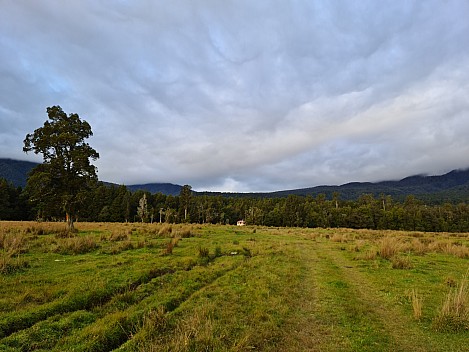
[{"x": 452, "y": 186}]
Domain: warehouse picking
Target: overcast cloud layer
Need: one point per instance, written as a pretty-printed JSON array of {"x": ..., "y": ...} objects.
[{"x": 244, "y": 95}]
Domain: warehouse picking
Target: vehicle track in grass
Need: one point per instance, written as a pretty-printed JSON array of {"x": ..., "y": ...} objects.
[
  {"x": 390, "y": 328},
  {"x": 342, "y": 309},
  {"x": 128, "y": 326},
  {"x": 12, "y": 324},
  {"x": 310, "y": 327},
  {"x": 28, "y": 323}
]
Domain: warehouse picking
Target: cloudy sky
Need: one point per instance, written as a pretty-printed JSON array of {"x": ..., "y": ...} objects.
[{"x": 238, "y": 95}]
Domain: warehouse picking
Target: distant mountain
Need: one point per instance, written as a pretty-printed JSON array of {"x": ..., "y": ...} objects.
[
  {"x": 451, "y": 187},
  {"x": 165, "y": 188},
  {"x": 16, "y": 171}
]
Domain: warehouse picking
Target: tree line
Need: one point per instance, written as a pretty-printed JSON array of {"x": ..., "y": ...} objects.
[{"x": 110, "y": 203}]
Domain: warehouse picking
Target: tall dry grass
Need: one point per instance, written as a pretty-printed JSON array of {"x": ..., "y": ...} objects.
[
  {"x": 454, "y": 313},
  {"x": 417, "y": 304},
  {"x": 388, "y": 247},
  {"x": 12, "y": 244}
]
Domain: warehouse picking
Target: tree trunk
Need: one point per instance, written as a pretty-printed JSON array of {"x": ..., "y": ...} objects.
[{"x": 70, "y": 225}]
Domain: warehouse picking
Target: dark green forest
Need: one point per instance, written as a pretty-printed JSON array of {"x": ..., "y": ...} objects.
[{"x": 109, "y": 203}]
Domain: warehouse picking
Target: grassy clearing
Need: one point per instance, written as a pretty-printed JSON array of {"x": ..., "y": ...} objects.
[{"x": 161, "y": 287}]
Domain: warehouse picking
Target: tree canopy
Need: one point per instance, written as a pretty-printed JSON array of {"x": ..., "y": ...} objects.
[{"x": 66, "y": 172}]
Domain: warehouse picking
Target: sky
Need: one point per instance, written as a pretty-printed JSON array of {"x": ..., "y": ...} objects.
[{"x": 242, "y": 95}]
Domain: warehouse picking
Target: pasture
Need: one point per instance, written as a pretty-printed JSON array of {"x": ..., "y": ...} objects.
[{"x": 163, "y": 287}]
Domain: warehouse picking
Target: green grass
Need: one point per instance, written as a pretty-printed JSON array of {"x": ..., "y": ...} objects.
[{"x": 142, "y": 287}]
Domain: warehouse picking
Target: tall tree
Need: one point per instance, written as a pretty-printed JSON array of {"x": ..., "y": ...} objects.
[
  {"x": 142, "y": 209},
  {"x": 185, "y": 195},
  {"x": 66, "y": 173}
]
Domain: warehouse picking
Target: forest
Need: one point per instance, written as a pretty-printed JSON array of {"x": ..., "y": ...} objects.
[{"x": 109, "y": 203}]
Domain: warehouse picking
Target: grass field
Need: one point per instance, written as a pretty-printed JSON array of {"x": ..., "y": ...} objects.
[{"x": 160, "y": 287}]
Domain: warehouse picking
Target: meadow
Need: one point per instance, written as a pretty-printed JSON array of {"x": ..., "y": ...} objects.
[{"x": 164, "y": 287}]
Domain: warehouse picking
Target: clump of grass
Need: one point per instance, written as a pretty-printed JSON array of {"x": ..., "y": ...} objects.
[
  {"x": 450, "y": 282},
  {"x": 165, "y": 230},
  {"x": 10, "y": 265},
  {"x": 76, "y": 245},
  {"x": 388, "y": 247},
  {"x": 357, "y": 246},
  {"x": 341, "y": 238},
  {"x": 118, "y": 236},
  {"x": 12, "y": 244},
  {"x": 399, "y": 262},
  {"x": 185, "y": 232},
  {"x": 218, "y": 252},
  {"x": 440, "y": 246},
  {"x": 454, "y": 313},
  {"x": 204, "y": 252},
  {"x": 168, "y": 249},
  {"x": 36, "y": 230},
  {"x": 457, "y": 250},
  {"x": 247, "y": 253},
  {"x": 417, "y": 303},
  {"x": 126, "y": 246},
  {"x": 369, "y": 254},
  {"x": 154, "y": 320},
  {"x": 194, "y": 332},
  {"x": 418, "y": 247}
]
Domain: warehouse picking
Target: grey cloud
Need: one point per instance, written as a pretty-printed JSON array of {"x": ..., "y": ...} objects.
[{"x": 243, "y": 95}]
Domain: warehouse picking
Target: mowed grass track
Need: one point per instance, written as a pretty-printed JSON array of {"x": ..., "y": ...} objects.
[{"x": 143, "y": 287}]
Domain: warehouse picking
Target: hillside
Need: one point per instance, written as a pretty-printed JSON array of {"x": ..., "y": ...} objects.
[
  {"x": 450, "y": 187},
  {"x": 15, "y": 171},
  {"x": 454, "y": 183},
  {"x": 165, "y": 188}
]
